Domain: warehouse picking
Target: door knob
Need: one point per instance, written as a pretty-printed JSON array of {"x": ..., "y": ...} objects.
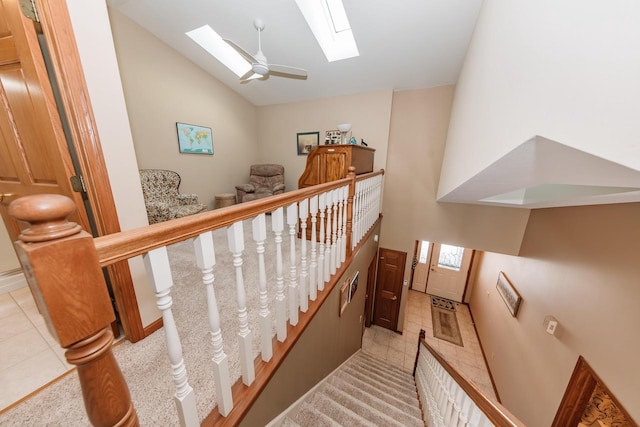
[
  {"x": 394, "y": 298},
  {"x": 3, "y": 195}
]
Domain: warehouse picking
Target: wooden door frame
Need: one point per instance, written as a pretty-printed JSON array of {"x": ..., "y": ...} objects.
[
  {"x": 372, "y": 274},
  {"x": 414, "y": 262},
  {"x": 67, "y": 68},
  {"x": 578, "y": 393}
]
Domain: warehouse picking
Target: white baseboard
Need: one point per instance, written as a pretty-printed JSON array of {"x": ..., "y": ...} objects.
[{"x": 12, "y": 280}]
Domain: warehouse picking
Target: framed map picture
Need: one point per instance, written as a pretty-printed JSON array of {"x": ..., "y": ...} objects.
[{"x": 194, "y": 139}]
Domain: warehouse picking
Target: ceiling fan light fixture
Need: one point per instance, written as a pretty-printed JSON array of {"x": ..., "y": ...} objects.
[
  {"x": 328, "y": 22},
  {"x": 211, "y": 41}
]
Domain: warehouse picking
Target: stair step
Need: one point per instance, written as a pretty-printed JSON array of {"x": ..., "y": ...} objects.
[
  {"x": 362, "y": 378},
  {"x": 288, "y": 422},
  {"x": 377, "y": 398},
  {"x": 401, "y": 373},
  {"x": 362, "y": 408},
  {"x": 344, "y": 416},
  {"x": 309, "y": 416},
  {"x": 373, "y": 375},
  {"x": 385, "y": 368}
]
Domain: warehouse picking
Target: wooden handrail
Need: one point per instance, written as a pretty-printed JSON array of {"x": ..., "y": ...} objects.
[
  {"x": 130, "y": 243},
  {"x": 364, "y": 176},
  {"x": 72, "y": 295},
  {"x": 494, "y": 411}
]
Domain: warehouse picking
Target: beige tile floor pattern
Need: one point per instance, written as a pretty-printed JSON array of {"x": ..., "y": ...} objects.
[
  {"x": 30, "y": 356},
  {"x": 400, "y": 350}
]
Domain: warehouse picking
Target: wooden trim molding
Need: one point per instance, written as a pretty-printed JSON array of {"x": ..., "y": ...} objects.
[
  {"x": 576, "y": 397},
  {"x": 67, "y": 68}
]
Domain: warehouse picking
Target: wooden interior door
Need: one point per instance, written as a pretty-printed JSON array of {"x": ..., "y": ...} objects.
[
  {"x": 34, "y": 157},
  {"x": 389, "y": 288},
  {"x": 448, "y": 279}
]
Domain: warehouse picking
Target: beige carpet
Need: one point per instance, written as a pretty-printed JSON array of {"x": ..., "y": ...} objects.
[
  {"x": 145, "y": 364},
  {"x": 363, "y": 392},
  {"x": 445, "y": 325}
]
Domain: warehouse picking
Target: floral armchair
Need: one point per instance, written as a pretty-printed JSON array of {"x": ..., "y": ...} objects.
[
  {"x": 264, "y": 180},
  {"x": 161, "y": 196}
]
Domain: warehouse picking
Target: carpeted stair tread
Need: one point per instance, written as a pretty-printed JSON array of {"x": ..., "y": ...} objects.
[
  {"x": 372, "y": 375},
  {"x": 288, "y": 422},
  {"x": 410, "y": 399},
  {"x": 370, "y": 407},
  {"x": 309, "y": 416},
  {"x": 382, "y": 372},
  {"x": 386, "y": 367},
  {"x": 344, "y": 416},
  {"x": 366, "y": 377},
  {"x": 401, "y": 373},
  {"x": 378, "y": 399}
]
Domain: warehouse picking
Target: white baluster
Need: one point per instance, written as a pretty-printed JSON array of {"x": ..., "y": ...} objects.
[
  {"x": 235, "y": 236},
  {"x": 334, "y": 230},
  {"x": 303, "y": 214},
  {"x": 322, "y": 205},
  {"x": 343, "y": 247},
  {"x": 259, "y": 236},
  {"x": 292, "y": 220},
  {"x": 206, "y": 259},
  {"x": 313, "y": 275},
  {"x": 156, "y": 264},
  {"x": 340, "y": 206},
  {"x": 277, "y": 226},
  {"x": 327, "y": 248},
  {"x": 355, "y": 239}
]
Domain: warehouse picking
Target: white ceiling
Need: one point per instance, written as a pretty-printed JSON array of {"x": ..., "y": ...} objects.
[{"x": 403, "y": 44}]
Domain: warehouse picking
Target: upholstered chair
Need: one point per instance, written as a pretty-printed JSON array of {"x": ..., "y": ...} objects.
[
  {"x": 264, "y": 180},
  {"x": 161, "y": 196}
]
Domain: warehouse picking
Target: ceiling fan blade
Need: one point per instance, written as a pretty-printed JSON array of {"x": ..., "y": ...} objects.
[
  {"x": 246, "y": 55},
  {"x": 246, "y": 75},
  {"x": 251, "y": 76},
  {"x": 287, "y": 72}
]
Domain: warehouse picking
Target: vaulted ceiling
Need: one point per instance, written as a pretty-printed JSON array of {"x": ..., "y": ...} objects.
[{"x": 404, "y": 44}]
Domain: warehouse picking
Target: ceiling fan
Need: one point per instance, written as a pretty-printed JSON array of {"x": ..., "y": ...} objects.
[{"x": 260, "y": 68}]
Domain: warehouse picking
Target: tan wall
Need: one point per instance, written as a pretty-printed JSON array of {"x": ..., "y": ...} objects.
[
  {"x": 327, "y": 342},
  {"x": 567, "y": 77},
  {"x": 418, "y": 131},
  {"x": 581, "y": 266},
  {"x": 369, "y": 113},
  {"x": 8, "y": 259},
  {"x": 161, "y": 88}
]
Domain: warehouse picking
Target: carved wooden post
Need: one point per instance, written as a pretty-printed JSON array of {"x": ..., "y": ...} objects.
[
  {"x": 352, "y": 191},
  {"x": 64, "y": 274}
]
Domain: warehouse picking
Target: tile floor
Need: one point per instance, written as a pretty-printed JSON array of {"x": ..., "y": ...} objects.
[
  {"x": 30, "y": 356},
  {"x": 401, "y": 349}
]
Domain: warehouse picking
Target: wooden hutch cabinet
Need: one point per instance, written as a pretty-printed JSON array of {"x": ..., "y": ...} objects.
[{"x": 327, "y": 163}]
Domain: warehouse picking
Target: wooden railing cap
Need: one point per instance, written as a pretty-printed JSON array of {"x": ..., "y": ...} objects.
[{"x": 47, "y": 217}]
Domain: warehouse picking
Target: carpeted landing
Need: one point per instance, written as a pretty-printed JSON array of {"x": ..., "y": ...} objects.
[{"x": 365, "y": 391}]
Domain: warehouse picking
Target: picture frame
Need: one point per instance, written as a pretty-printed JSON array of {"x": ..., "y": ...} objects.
[
  {"x": 353, "y": 285},
  {"x": 344, "y": 297},
  {"x": 332, "y": 137},
  {"x": 509, "y": 294},
  {"x": 307, "y": 141},
  {"x": 194, "y": 139}
]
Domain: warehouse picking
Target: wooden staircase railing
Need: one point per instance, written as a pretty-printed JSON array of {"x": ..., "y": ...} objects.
[
  {"x": 449, "y": 399},
  {"x": 63, "y": 266}
]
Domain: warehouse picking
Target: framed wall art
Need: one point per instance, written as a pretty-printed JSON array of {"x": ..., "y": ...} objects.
[
  {"x": 344, "y": 297},
  {"x": 193, "y": 139},
  {"x": 307, "y": 141},
  {"x": 509, "y": 294}
]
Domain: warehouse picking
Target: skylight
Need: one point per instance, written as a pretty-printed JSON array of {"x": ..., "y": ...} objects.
[
  {"x": 211, "y": 41},
  {"x": 330, "y": 26}
]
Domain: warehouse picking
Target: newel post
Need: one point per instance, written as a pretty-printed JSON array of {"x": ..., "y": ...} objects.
[
  {"x": 62, "y": 268},
  {"x": 351, "y": 173}
]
